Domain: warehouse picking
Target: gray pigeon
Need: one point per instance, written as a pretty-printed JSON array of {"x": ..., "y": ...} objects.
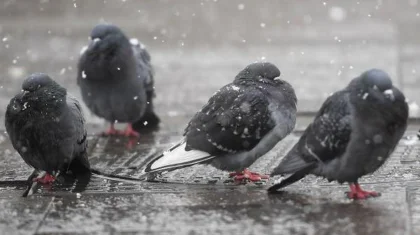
[
  {"x": 47, "y": 128},
  {"x": 116, "y": 80},
  {"x": 240, "y": 123},
  {"x": 353, "y": 134}
]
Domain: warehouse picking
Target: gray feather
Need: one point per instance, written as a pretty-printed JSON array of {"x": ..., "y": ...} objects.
[
  {"x": 243, "y": 120},
  {"x": 116, "y": 77},
  {"x": 354, "y": 132},
  {"x": 47, "y": 127},
  {"x": 291, "y": 163}
]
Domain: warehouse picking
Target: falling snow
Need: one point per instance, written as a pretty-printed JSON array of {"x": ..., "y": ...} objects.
[
  {"x": 25, "y": 105},
  {"x": 134, "y": 41},
  {"x": 337, "y": 14},
  {"x": 83, "y": 50},
  {"x": 16, "y": 71},
  {"x": 365, "y": 96},
  {"x": 414, "y": 109},
  {"x": 198, "y": 48}
]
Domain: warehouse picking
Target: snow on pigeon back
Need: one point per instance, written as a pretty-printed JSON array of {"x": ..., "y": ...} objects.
[
  {"x": 44, "y": 128},
  {"x": 352, "y": 135},
  {"x": 238, "y": 117},
  {"x": 115, "y": 77}
]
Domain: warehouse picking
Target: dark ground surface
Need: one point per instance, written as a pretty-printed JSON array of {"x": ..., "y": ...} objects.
[
  {"x": 197, "y": 47},
  {"x": 202, "y": 200}
]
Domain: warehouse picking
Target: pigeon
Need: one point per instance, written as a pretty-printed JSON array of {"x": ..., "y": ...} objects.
[
  {"x": 352, "y": 135},
  {"x": 116, "y": 80},
  {"x": 47, "y": 128},
  {"x": 240, "y": 123}
]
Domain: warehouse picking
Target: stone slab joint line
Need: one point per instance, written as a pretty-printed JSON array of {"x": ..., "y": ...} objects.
[
  {"x": 46, "y": 213},
  {"x": 413, "y": 208}
]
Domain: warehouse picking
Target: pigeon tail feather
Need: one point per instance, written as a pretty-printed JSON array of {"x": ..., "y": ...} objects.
[
  {"x": 293, "y": 178},
  {"x": 291, "y": 163},
  {"x": 177, "y": 157}
]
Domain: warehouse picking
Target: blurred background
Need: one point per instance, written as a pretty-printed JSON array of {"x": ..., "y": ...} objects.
[{"x": 199, "y": 46}]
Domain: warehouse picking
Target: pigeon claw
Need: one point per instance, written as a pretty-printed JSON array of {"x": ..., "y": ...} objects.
[
  {"x": 247, "y": 175},
  {"x": 131, "y": 143},
  {"x": 46, "y": 179},
  {"x": 357, "y": 193},
  {"x": 111, "y": 131},
  {"x": 130, "y": 132}
]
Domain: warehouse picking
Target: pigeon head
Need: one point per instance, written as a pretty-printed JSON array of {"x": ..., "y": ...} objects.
[
  {"x": 259, "y": 70},
  {"x": 40, "y": 94},
  {"x": 102, "y": 31},
  {"x": 37, "y": 81},
  {"x": 376, "y": 79},
  {"x": 109, "y": 56},
  {"x": 375, "y": 83},
  {"x": 40, "y": 88}
]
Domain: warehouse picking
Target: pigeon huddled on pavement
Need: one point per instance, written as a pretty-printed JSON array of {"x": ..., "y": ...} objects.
[
  {"x": 353, "y": 134},
  {"x": 116, "y": 80},
  {"x": 47, "y": 128},
  {"x": 240, "y": 123}
]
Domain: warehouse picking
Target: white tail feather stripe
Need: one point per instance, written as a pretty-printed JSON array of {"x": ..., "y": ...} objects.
[{"x": 177, "y": 157}]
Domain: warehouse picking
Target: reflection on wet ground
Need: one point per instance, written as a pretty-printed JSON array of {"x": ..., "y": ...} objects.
[{"x": 202, "y": 200}]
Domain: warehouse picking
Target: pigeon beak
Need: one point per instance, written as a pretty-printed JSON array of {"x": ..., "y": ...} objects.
[
  {"x": 93, "y": 41},
  {"x": 22, "y": 94},
  {"x": 389, "y": 94}
]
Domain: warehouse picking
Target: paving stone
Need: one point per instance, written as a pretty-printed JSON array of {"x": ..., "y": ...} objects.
[
  {"x": 209, "y": 211},
  {"x": 23, "y": 216},
  {"x": 181, "y": 204}
]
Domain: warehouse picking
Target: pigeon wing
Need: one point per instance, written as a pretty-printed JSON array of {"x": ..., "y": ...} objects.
[
  {"x": 324, "y": 139},
  {"x": 234, "y": 119}
]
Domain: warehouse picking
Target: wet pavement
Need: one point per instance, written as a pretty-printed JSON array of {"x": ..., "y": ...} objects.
[
  {"x": 197, "y": 47},
  {"x": 203, "y": 200}
]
